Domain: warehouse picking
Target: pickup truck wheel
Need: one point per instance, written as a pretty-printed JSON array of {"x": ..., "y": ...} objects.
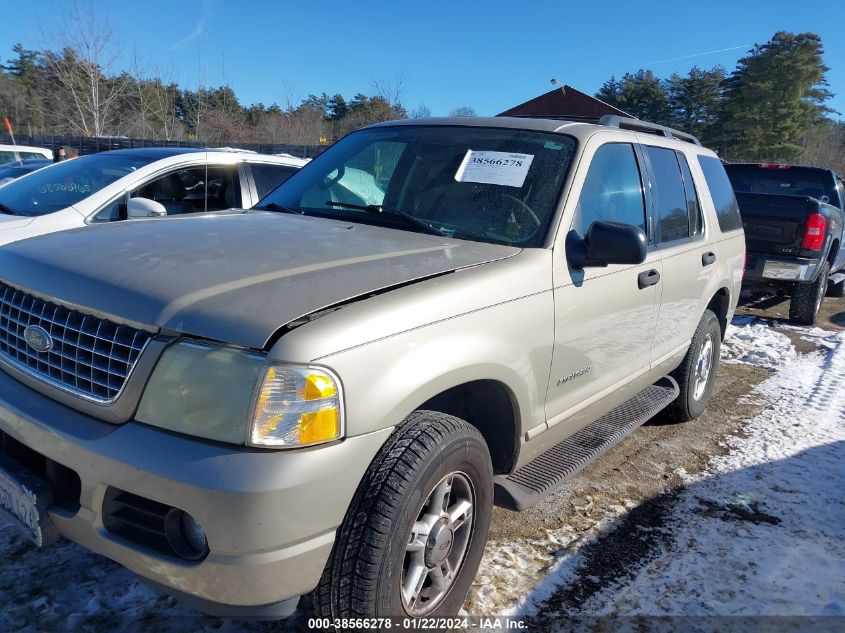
[
  {"x": 697, "y": 372},
  {"x": 413, "y": 537},
  {"x": 807, "y": 298}
]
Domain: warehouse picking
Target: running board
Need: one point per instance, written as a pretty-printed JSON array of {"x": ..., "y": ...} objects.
[{"x": 527, "y": 485}]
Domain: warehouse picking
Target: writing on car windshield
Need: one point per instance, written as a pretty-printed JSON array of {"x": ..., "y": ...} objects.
[
  {"x": 64, "y": 184},
  {"x": 486, "y": 184}
]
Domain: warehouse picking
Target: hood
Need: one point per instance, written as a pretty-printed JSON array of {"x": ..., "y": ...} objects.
[
  {"x": 235, "y": 278},
  {"x": 9, "y": 222}
]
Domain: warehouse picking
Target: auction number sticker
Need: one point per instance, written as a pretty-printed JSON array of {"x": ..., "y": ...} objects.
[{"x": 494, "y": 168}]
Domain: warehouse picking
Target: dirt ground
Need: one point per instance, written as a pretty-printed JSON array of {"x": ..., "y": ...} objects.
[
  {"x": 831, "y": 315},
  {"x": 646, "y": 469}
]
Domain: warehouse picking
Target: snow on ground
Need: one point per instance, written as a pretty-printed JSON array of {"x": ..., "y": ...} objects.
[
  {"x": 754, "y": 342},
  {"x": 762, "y": 530}
]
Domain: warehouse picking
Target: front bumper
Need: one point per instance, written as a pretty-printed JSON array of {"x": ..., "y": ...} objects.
[
  {"x": 270, "y": 516},
  {"x": 773, "y": 269}
]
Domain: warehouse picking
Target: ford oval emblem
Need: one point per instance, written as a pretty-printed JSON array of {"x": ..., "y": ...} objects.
[{"x": 38, "y": 339}]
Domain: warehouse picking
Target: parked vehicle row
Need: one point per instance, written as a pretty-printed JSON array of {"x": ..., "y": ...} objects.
[
  {"x": 11, "y": 153},
  {"x": 328, "y": 393}
]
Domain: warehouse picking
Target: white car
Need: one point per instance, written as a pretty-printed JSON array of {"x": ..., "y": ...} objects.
[
  {"x": 9, "y": 153},
  {"x": 136, "y": 183}
]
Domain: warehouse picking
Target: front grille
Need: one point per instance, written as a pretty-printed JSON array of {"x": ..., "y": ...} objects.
[{"x": 91, "y": 357}]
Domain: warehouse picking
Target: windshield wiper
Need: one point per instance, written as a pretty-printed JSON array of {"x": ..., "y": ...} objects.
[
  {"x": 377, "y": 209},
  {"x": 6, "y": 210},
  {"x": 272, "y": 206}
]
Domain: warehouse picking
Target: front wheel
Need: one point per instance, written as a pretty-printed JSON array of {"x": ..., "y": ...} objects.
[
  {"x": 413, "y": 537},
  {"x": 697, "y": 372}
]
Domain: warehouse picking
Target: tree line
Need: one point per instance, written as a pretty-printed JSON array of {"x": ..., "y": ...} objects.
[
  {"x": 772, "y": 107},
  {"x": 76, "y": 88}
]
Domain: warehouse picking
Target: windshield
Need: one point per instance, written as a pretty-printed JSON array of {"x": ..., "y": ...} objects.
[
  {"x": 494, "y": 185},
  {"x": 786, "y": 181},
  {"x": 66, "y": 183}
]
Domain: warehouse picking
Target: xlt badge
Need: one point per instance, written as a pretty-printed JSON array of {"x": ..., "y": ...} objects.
[{"x": 574, "y": 374}]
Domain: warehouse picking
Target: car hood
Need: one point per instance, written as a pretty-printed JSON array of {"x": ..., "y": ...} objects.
[
  {"x": 9, "y": 222},
  {"x": 236, "y": 277}
]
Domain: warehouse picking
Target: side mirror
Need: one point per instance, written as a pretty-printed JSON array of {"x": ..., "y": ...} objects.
[
  {"x": 144, "y": 208},
  {"x": 607, "y": 243}
]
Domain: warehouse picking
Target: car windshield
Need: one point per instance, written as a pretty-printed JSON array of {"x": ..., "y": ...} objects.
[
  {"x": 786, "y": 181},
  {"x": 496, "y": 185},
  {"x": 66, "y": 183}
]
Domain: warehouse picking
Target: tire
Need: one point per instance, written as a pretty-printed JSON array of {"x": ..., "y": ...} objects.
[
  {"x": 807, "y": 298},
  {"x": 369, "y": 563},
  {"x": 696, "y": 387},
  {"x": 836, "y": 290}
]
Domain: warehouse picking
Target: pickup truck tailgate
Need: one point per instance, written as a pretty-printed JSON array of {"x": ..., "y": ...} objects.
[{"x": 774, "y": 224}]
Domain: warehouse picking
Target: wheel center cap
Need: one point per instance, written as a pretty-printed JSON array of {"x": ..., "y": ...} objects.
[{"x": 439, "y": 544}]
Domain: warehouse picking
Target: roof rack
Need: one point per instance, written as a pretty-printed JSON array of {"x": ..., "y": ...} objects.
[
  {"x": 575, "y": 118},
  {"x": 624, "y": 123},
  {"x": 614, "y": 120}
]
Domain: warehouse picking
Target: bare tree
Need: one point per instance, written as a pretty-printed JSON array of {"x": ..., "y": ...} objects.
[
  {"x": 422, "y": 111},
  {"x": 462, "y": 111},
  {"x": 391, "y": 91},
  {"x": 87, "y": 53}
]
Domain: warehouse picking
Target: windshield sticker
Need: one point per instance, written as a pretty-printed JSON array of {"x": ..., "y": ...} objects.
[{"x": 494, "y": 168}]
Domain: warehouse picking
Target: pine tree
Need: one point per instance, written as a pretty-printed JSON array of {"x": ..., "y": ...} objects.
[
  {"x": 776, "y": 94},
  {"x": 642, "y": 95},
  {"x": 695, "y": 101}
]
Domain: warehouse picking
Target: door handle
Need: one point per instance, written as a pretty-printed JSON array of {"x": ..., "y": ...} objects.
[
  {"x": 708, "y": 258},
  {"x": 648, "y": 278}
]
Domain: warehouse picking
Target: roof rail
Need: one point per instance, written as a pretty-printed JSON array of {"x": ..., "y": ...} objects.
[
  {"x": 575, "y": 118},
  {"x": 624, "y": 123}
]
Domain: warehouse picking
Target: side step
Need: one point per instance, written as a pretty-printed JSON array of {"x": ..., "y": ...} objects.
[{"x": 527, "y": 485}]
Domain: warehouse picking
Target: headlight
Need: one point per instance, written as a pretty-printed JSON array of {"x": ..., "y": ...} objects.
[
  {"x": 234, "y": 396},
  {"x": 296, "y": 406}
]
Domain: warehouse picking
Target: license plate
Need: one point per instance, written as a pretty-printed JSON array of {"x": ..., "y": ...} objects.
[
  {"x": 25, "y": 497},
  {"x": 782, "y": 270}
]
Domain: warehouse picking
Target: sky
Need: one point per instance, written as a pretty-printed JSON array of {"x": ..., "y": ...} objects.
[{"x": 489, "y": 55}]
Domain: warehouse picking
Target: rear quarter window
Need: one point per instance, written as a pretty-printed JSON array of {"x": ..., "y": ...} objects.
[
  {"x": 268, "y": 176},
  {"x": 721, "y": 192}
]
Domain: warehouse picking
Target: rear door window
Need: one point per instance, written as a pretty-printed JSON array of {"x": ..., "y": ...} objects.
[
  {"x": 721, "y": 192},
  {"x": 268, "y": 176},
  {"x": 669, "y": 198},
  {"x": 613, "y": 189}
]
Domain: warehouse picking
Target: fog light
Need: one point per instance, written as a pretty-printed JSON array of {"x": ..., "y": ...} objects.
[
  {"x": 185, "y": 535},
  {"x": 193, "y": 533}
]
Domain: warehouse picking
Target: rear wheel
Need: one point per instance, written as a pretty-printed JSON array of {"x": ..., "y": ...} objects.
[
  {"x": 697, "y": 372},
  {"x": 807, "y": 298},
  {"x": 413, "y": 537}
]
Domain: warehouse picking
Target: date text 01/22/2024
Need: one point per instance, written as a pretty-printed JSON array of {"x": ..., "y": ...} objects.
[{"x": 419, "y": 624}]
